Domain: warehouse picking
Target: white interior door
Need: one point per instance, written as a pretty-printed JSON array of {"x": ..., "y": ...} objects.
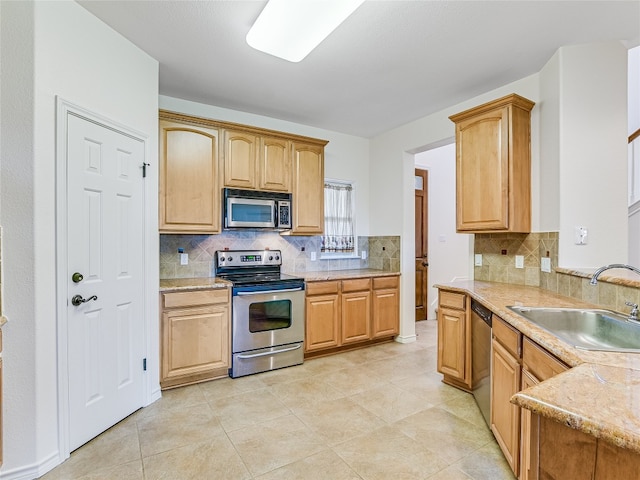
[{"x": 105, "y": 219}]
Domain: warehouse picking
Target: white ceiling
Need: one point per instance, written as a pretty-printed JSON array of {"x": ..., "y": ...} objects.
[{"x": 389, "y": 63}]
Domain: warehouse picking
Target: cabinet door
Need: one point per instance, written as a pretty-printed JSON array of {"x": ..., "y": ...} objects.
[
  {"x": 240, "y": 160},
  {"x": 452, "y": 342},
  {"x": 505, "y": 416},
  {"x": 529, "y": 435},
  {"x": 386, "y": 312},
  {"x": 323, "y": 316},
  {"x": 308, "y": 189},
  {"x": 482, "y": 162},
  {"x": 356, "y": 317},
  {"x": 195, "y": 342},
  {"x": 275, "y": 164},
  {"x": 189, "y": 197}
]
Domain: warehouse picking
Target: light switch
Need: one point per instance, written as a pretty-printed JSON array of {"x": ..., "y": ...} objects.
[
  {"x": 581, "y": 235},
  {"x": 477, "y": 260}
]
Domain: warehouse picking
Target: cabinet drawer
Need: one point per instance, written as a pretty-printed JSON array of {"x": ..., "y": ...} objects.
[
  {"x": 356, "y": 285},
  {"x": 509, "y": 337},
  {"x": 196, "y": 297},
  {"x": 321, "y": 288},
  {"x": 452, "y": 299},
  {"x": 386, "y": 282},
  {"x": 539, "y": 362}
]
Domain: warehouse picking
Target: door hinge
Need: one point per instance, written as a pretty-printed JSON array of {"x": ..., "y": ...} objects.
[
  {"x": 144, "y": 169},
  {"x": 144, "y": 364}
]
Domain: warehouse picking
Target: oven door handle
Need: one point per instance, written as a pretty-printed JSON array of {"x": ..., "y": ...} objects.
[
  {"x": 264, "y": 354},
  {"x": 263, "y": 292}
]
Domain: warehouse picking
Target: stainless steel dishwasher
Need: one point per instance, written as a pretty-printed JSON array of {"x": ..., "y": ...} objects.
[{"x": 481, "y": 358}]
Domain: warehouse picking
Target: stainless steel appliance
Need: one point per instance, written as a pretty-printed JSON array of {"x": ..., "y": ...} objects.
[
  {"x": 481, "y": 320},
  {"x": 253, "y": 209},
  {"x": 267, "y": 311}
]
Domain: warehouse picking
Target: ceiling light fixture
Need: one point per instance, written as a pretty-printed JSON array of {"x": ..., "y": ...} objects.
[{"x": 290, "y": 29}]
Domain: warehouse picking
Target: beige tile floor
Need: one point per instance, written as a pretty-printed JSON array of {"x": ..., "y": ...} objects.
[{"x": 375, "y": 413}]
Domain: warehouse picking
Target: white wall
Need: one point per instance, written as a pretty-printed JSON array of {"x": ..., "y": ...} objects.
[
  {"x": 346, "y": 156},
  {"x": 392, "y": 170},
  {"x": 593, "y": 153},
  {"x": 448, "y": 251},
  {"x": 52, "y": 48},
  {"x": 634, "y": 90}
]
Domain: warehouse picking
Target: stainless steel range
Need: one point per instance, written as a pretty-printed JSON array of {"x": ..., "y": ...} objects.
[{"x": 267, "y": 311}]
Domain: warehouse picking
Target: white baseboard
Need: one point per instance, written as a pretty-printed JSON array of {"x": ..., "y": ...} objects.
[
  {"x": 29, "y": 472},
  {"x": 406, "y": 338}
]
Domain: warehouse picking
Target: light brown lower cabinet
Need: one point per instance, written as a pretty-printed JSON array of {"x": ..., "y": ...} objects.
[
  {"x": 570, "y": 454},
  {"x": 196, "y": 336},
  {"x": 341, "y": 314},
  {"x": 506, "y": 358},
  {"x": 454, "y": 339},
  {"x": 537, "y": 365}
]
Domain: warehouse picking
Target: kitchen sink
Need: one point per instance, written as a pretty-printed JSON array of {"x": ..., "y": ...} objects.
[{"x": 590, "y": 329}]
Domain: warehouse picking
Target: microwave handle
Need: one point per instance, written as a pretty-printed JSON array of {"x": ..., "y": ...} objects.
[{"x": 276, "y": 223}]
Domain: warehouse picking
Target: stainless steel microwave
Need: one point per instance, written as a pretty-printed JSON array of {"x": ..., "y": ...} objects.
[{"x": 253, "y": 209}]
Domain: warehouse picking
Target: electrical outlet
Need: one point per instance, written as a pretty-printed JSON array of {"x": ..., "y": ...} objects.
[
  {"x": 519, "y": 261},
  {"x": 545, "y": 264},
  {"x": 184, "y": 259},
  {"x": 477, "y": 260},
  {"x": 363, "y": 254},
  {"x": 313, "y": 256}
]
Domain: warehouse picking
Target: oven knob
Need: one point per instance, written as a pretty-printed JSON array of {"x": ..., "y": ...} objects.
[
  {"x": 222, "y": 259},
  {"x": 277, "y": 257},
  {"x": 230, "y": 258},
  {"x": 270, "y": 258}
]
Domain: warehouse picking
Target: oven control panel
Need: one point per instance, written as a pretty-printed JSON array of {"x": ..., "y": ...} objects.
[{"x": 248, "y": 258}]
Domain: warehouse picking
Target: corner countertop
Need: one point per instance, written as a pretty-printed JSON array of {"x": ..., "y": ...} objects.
[
  {"x": 600, "y": 396},
  {"x": 200, "y": 283},
  {"x": 342, "y": 274}
]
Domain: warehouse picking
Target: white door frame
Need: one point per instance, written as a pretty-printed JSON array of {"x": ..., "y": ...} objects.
[{"x": 151, "y": 387}]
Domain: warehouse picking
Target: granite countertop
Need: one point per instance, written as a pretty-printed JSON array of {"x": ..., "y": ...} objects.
[
  {"x": 342, "y": 274},
  {"x": 201, "y": 283},
  {"x": 600, "y": 396},
  {"x": 215, "y": 282}
]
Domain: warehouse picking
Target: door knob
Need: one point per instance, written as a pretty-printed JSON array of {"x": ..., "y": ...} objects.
[
  {"x": 77, "y": 277},
  {"x": 78, "y": 300}
]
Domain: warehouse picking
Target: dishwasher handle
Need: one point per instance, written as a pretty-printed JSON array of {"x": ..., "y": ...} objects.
[{"x": 483, "y": 312}]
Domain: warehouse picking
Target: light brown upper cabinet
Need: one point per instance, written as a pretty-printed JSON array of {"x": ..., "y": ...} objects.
[
  {"x": 189, "y": 197},
  {"x": 240, "y": 159},
  {"x": 275, "y": 164},
  {"x": 200, "y": 156},
  {"x": 493, "y": 166},
  {"x": 308, "y": 189}
]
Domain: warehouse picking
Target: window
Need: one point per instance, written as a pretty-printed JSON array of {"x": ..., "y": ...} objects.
[{"x": 338, "y": 218}]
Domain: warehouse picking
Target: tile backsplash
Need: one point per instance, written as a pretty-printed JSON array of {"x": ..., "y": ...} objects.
[
  {"x": 499, "y": 252},
  {"x": 382, "y": 252}
]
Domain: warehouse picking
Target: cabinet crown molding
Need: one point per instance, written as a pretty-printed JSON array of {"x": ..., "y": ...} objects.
[
  {"x": 208, "y": 122},
  {"x": 512, "y": 99}
]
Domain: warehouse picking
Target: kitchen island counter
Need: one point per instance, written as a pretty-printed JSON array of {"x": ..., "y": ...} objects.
[{"x": 600, "y": 396}]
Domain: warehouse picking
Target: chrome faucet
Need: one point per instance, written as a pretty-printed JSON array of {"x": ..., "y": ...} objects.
[
  {"x": 633, "y": 315},
  {"x": 594, "y": 278}
]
